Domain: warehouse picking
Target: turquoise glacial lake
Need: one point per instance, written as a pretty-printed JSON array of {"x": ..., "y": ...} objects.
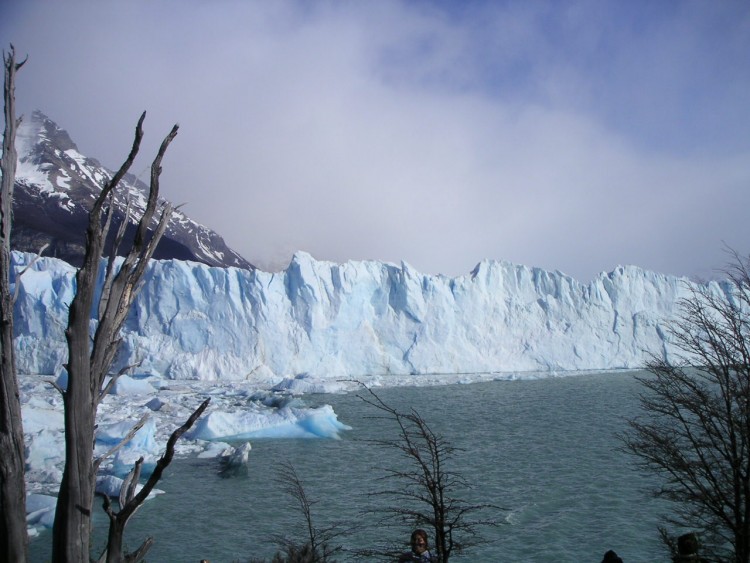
[{"x": 545, "y": 450}]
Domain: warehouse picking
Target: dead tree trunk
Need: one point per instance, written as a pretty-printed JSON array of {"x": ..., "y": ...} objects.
[
  {"x": 12, "y": 487},
  {"x": 90, "y": 362}
]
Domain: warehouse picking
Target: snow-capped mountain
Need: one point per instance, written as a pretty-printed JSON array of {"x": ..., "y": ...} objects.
[{"x": 56, "y": 186}]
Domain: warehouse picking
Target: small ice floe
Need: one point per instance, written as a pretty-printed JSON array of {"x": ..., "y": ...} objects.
[
  {"x": 234, "y": 461},
  {"x": 305, "y": 384},
  {"x": 213, "y": 449},
  {"x": 126, "y": 385},
  {"x": 40, "y": 512}
]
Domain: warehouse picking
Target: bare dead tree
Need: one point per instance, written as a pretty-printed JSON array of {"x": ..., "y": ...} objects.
[
  {"x": 318, "y": 548},
  {"x": 89, "y": 362},
  {"x": 694, "y": 431},
  {"x": 13, "y": 541},
  {"x": 423, "y": 490},
  {"x": 131, "y": 498}
]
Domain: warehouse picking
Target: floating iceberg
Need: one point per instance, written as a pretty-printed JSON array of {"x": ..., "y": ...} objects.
[
  {"x": 271, "y": 415},
  {"x": 287, "y": 422}
]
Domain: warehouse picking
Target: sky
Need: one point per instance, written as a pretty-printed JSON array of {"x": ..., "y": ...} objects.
[{"x": 567, "y": 135}]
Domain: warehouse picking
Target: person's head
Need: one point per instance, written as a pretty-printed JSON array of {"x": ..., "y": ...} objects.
[
  {"x": 611, "y": 557},
  {"x": 419, "y": 541}
]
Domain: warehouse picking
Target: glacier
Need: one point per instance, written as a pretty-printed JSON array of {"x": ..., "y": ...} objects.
[
  {"x": 254, "y": 341},
  {"x": 329, "y": 320}
]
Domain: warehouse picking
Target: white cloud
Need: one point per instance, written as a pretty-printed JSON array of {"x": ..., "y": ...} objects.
[{"x": 551, "y": 136}]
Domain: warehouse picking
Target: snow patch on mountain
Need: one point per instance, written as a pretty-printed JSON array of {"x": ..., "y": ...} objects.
[{"x": 56, "y": 186}]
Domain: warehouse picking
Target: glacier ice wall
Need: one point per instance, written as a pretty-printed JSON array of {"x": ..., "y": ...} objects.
[{"x": 192, "y": 321}]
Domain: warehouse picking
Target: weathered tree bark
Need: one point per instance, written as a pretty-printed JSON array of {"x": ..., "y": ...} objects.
[
  {"x": 130, "y": 501},
  {"x": 13, "y": 538},
  {"x": 89, "y": 363}
]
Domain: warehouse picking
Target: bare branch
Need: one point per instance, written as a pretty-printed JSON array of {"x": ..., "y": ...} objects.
[
  {"x": 129, "y": 436},
  {"x": 109, "y": 274},
  {"x": 29, "y": 265},
  {"x": 131, "y": 501},
  {"x": 54, "y": 384},
  {"x": 423, "y": 488},
  {"x": 113, "y": 379},
  {"x": 319, "y": 545},
  {"x": 695, "y": 431},
  {"x": 166, "y": 459}
]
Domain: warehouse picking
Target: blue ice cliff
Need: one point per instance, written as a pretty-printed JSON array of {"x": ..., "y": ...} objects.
[{"x": 193, "y": 321}]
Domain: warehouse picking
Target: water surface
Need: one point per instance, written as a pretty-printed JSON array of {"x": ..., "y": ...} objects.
[{"x": 543, "y": 449}]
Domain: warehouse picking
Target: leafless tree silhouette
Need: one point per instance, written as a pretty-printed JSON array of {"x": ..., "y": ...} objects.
[{"x": 694, "y": 433}]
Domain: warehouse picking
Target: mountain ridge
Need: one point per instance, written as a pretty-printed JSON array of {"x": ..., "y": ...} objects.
[{"x": 56, "y": 185}]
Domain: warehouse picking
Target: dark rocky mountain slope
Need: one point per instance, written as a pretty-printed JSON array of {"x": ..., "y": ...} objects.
[{"x": 56, "y": 186}]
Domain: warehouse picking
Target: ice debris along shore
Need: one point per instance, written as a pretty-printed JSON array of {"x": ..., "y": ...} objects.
[
  {"x": 236, "y": 414},
  {"x": 341, "y": 320}
]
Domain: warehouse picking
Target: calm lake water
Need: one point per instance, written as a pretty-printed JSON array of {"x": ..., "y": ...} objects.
[{"x": 544, "y": 449}]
